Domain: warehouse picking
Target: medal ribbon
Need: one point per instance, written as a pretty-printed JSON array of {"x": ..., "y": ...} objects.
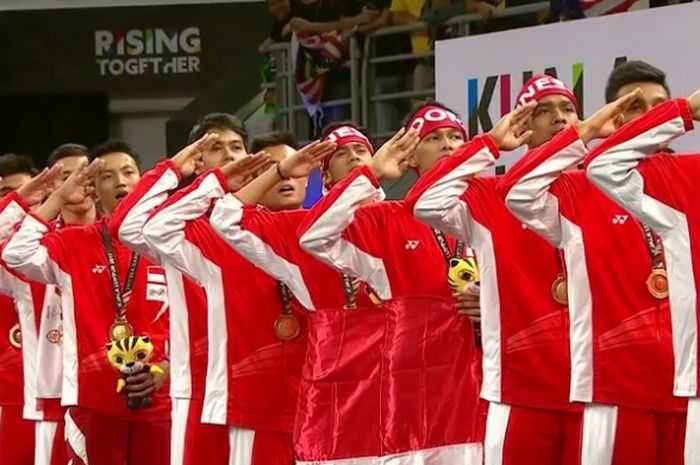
[
  {"x": 285, "y": 297},
  {"x": 121, "y": 296},
  {"x": 560, "y": 263},
  {"x": 350, "y": 290},
  {"x": 444, "y": 247},
  {"x": 653, "y": 247}
]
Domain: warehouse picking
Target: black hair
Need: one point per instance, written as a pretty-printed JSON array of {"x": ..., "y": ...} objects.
[
  {"x": 65, "y": 151},
  {"x": 12, "y": 163},
  {"x": 218, "y": 121},
  {"x": 633, "y": 71},
  {"x": 418, "y": 106},
  {"x": 333, "y": 126},
  {"x": 114, "y": 146},
  {"x": 270, "y": 139}
]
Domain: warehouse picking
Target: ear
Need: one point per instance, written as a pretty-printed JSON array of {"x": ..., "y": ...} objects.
[
  {"x": 326, "y": 178},
  {"x": 413, "y": 160}
]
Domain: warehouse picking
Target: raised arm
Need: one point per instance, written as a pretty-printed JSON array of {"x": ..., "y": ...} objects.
[
  {"x": 255, "y": 233},
  {"x": 28, "y": 251},
  {"x": 324, "y": 232},
  {"x": 527, "y": 187},
  {"x": 613, "y": 166},
  {"x": 329, "y": 233},
  {"x": 169, "y": 232},
  {"x": 438, "y": 197},
  {"x": 128, "y": 219}
]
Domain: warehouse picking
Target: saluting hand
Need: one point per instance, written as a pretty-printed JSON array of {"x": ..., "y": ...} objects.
[
  {"x": 79, "y": 184},
  {"x": 240, "y": 172},
  {"x": 188, "y": 159},
  {"x": 510, "y": 133},
  {"x": 40, "y": 186},
  {"x": 305, "y": 160},
  {"x": 602, "y": 123},
  {"x": 391, "y": 160}
]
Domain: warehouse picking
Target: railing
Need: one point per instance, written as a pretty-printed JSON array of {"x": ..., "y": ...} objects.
[
  {"x": 362, "y": 64},
  {"x": 370, "y": 96}
]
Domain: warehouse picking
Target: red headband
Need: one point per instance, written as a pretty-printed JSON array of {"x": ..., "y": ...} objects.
[
  {"x": 345, "y": 135},
  {"x": 538, "y": 87},
  {"x": 433, "y": 117}
]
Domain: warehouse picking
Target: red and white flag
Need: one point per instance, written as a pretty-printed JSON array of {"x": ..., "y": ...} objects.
[{"x": 314, "y": 55}]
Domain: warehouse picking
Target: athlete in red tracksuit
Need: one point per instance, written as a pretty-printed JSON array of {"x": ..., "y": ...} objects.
[
  {"x": 406, "y": 265},
  {"x": 346, "y": 330},
  {"x": 621, "y": 345},
  {"x": 99, "y": 426},
  {"x": 39, "y": 309},
  {"x": 252, "y": 373},
  {"x": 192, "y": 441},
  {"x": 17, "y": 434},
  {"x": 659, "y": 189},
  {"x": 524, "y": 318}
]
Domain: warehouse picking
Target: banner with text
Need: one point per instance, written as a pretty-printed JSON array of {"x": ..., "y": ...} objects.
[{"x": 481, "y": 76}]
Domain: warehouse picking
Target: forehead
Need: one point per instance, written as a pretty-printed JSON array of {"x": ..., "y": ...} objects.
[
  {"x": 72, "y": 161},
  {"x": 226, "y": 135},
  {"x": 279, "y": 152},
  {"x": 650, "y": 90},
  {"x": 16, "y": 180},
  {"x": 117, "y": 161},
  {"x": 554, "y": 101}
]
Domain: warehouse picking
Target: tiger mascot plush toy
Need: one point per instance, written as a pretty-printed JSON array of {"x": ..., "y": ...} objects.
[
  {"x": 130, "y": 355},
  {"x": 463, "y": 273}
]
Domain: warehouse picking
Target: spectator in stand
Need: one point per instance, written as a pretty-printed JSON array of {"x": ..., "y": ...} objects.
[
  {"x": 407, "y": 12},
  {"x": 314, "y": 16},
  {"x": 319, "y": 76},
  {"x": 281, "y": 13},
  {"x": 434, "y": 12}
]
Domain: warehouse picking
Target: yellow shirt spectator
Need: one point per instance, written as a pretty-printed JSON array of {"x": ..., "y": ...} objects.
[{"x": 419, "y": 39}]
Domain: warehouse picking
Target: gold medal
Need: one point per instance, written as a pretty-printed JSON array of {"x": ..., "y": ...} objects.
[
  {"x": 560, "y": 291},
  {"x": 16, "y": 336},
  {"x": 120, "y": 330},
  {"x": 287, "y": 327},
  {"x": 657, "y": 283}
]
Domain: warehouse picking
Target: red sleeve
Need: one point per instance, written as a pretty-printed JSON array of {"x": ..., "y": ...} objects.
[
  {"x": 12, "y": 211},
  {"x": 172, "y": 229},
  {"x": 438, "y": 197},
  {"x": 614, "y": 166},
  {"x": 263, "y": 238},
  {"x": 127, "y": 220},
  {"x": 331, "y": 233},
  {"x": 529, "y": 186}
]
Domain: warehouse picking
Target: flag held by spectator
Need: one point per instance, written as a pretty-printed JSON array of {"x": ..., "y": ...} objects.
[{"x": 314, "y": 56}]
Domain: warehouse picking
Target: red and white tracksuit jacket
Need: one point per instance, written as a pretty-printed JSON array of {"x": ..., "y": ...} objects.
[
  {"x": 252, "y": 377},
  {"x": 524, "y": 330},
  {"x": 427, "y": 343},
  {"x": 621, "y": 345}
]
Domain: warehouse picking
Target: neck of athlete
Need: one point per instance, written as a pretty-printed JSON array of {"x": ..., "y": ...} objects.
[{"x": 83, "y": 218}]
